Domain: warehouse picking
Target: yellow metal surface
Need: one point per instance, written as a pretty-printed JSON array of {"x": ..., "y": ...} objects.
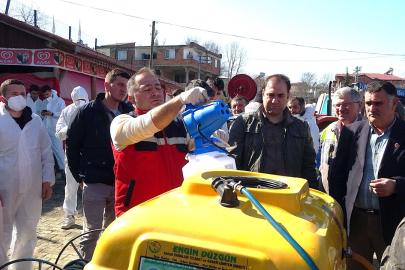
[{"x": 188, "y": 227}]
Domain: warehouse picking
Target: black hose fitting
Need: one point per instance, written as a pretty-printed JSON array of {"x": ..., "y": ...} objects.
[{"x": 228, "y": 197}]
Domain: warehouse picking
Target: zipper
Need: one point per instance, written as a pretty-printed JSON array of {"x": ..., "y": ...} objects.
[{"x": 170, "y": 156}]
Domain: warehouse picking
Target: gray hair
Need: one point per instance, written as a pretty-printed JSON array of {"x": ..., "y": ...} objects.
[
  {"x": 342, "y": 92},
  {"x": 132, "y": 81}
]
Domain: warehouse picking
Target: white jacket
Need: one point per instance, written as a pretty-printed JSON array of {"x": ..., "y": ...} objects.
[
  {"x": 35, "y": 106},
  {"x": 67, "y": 113},
  {"x": 56, "y": 106},
  {"x": 311, "y": 120},
  {"x": 26, "y": 156}
]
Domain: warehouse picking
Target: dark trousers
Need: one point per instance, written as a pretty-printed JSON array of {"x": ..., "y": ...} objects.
[
  {"x": 365, "y": 237},
  {"x": 98, "y": 212}
]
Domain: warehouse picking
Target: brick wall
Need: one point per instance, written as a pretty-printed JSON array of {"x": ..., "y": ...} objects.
[{"x": 177, "y": 61}]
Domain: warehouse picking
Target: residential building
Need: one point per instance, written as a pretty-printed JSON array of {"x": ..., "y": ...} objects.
[
  {"x": 180, "y": 63},
  {"x": 368, "y": 78}
]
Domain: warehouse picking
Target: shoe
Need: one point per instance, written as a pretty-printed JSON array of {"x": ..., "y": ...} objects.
[{"x": 68, "y": 223}]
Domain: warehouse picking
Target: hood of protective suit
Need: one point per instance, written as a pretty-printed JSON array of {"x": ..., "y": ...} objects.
[
  {"x": 309, "y": 113},
  {"x": 79, "y": 93},
  {"x": 54, "y": 94}
]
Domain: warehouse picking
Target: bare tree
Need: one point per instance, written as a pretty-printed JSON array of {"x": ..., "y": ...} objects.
[
  {"x": 235, "y": 59},
  {"x": 306, "y": 87},
  {"x": 155, "y": 38},
  {"x": 190, "y": 39},
  {"x": 212, "y": 46},
  {"x": 26, "y": 14},
  {"x": 323, "y": 83}
]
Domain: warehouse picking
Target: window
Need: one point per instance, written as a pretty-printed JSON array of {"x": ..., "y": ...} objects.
[
  {"x": 122, "y": 55},
  {"x": 170, "y": 54},
  {"x": 216, "y": 63},
  {"x": 147, "y": 56},
  {"x": 190, "y": 55}
]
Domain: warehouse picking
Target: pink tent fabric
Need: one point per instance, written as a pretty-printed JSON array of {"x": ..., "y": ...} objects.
[
  {"x": 29, "y": 79},
  {"x": 73, "y": 79}
]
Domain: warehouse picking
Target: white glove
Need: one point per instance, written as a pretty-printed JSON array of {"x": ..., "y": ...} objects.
[
  {"x": 195, "y": 96},
  {"x": 222, "y": 136}
]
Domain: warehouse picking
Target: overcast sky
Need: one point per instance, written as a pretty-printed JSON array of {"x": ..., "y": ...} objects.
[{"x": 352, "y": 25}]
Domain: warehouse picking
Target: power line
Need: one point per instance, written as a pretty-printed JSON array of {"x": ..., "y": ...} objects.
[
  {"x": 332, "y": 60},
  {"x": 232, "y": 35}
]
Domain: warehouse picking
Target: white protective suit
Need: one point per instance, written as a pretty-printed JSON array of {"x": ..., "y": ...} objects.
[
  {"x": 56, "y": 106},
  {"x": 26, "y": 162},
  {"x": 70, "y": 202},
  {"x": 311, "y": 120},
  {"x": 34, "y": 105}
]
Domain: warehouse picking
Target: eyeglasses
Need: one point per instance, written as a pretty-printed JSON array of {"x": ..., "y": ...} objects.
[{"x": 345, "y": 104}]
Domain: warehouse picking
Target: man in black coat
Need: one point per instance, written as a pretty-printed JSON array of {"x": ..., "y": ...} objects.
[
  {"x": 368, "y": 177},
  {"x": 90, "y": 156}
]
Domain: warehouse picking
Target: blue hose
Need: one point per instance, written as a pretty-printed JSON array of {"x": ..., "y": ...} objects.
[{"x": 280, "y": 229}]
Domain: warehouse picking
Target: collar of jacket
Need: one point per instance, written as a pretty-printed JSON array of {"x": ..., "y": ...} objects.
[
  {"x": 140, "y": 112},
  {"x": 26, "y": 112},
  {"x": 288, "y": 117},
  {"x": 122, "y": 106}
]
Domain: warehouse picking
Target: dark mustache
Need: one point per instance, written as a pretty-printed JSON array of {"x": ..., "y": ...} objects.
[{"x": 373, "y": 113}]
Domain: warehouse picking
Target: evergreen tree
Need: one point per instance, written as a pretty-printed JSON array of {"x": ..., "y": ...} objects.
[{"x": 347, "y": 79}]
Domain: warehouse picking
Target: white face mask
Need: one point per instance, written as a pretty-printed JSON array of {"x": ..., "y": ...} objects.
[
  {"x": 17, "y": 103},
  {"x": 49, "y": 99},
  {"x": 79, "y": 103}
]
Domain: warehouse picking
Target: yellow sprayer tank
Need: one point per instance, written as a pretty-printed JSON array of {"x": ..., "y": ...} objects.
[{"x": 187, "y": 228}]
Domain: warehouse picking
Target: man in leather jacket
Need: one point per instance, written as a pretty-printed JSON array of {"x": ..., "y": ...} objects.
[{"x": 271, "y": 140}]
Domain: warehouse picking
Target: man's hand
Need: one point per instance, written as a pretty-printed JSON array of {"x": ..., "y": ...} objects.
[
  {"x": 81, "y": 185},
  {"x": 195, "y": 96},
  {"x": 384, "y": 187},
  {"x": 46, "y": 113},
  {"x": 46, "y": 191}
]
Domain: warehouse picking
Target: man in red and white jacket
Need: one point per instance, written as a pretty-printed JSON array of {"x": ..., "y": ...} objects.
[{"x": 150, "y": 144}]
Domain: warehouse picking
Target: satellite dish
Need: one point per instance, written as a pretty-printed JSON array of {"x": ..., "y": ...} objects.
[{"x": 242, "y": 85}]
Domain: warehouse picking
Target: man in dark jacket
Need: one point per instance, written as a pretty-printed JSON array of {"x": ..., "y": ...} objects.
[
  {"x": 368, "y": 174},
  {"x": 271, "y": 140},
  {"x": 90, "y": 157}
]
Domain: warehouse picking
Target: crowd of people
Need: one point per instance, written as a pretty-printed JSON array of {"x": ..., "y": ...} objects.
[{"x": 129, "y": 145}]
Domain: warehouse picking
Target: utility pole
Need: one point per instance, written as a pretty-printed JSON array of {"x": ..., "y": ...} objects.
[
  {"x": 152, "y": 40},
  {"x": 356, "y": 72},
  {"x": 7, "y": 6},
  {"x": 199, "y": 67}
]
